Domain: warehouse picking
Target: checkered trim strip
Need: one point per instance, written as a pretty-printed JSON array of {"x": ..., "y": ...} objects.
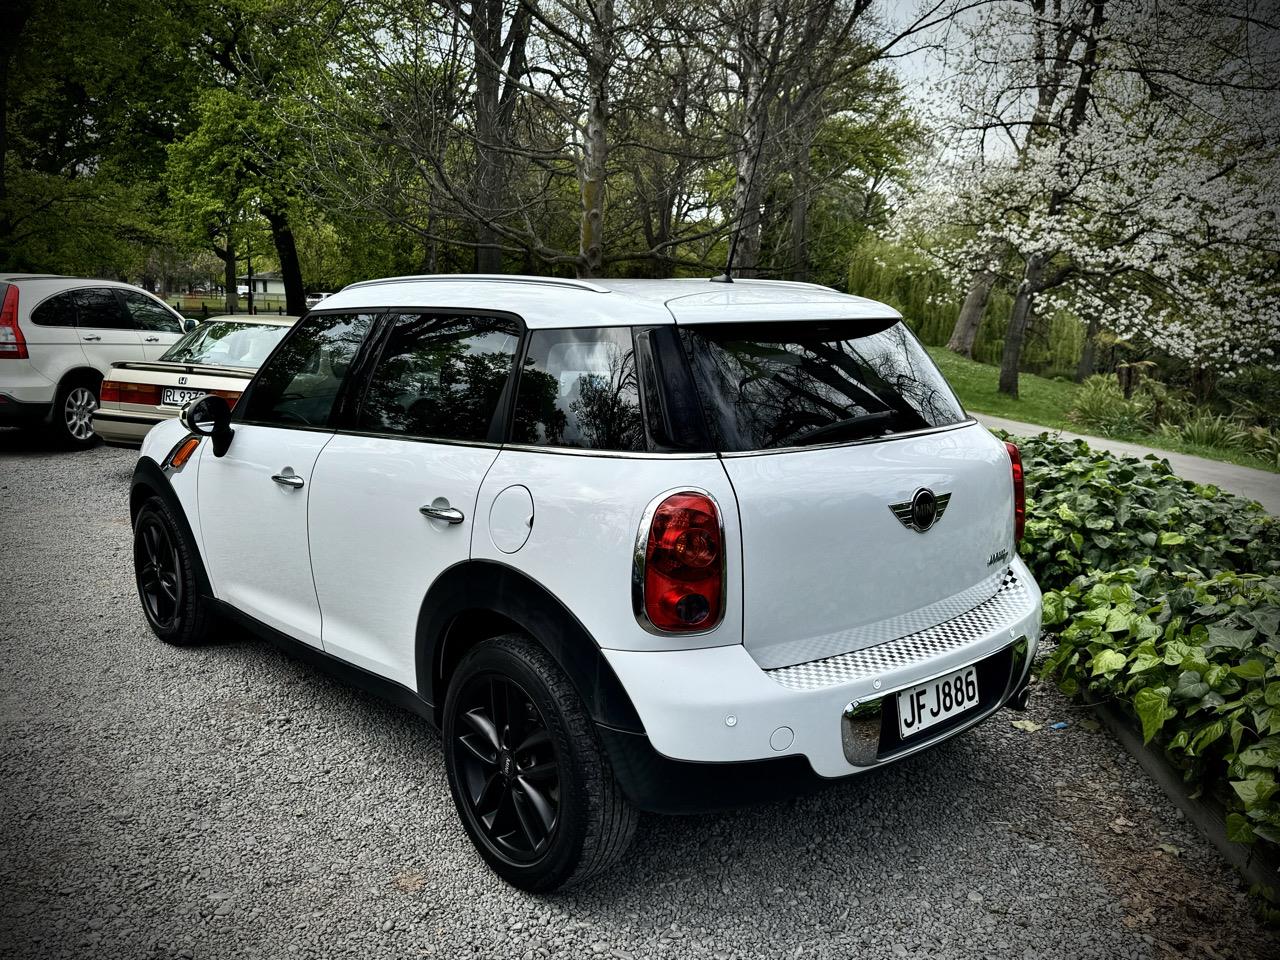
[{"x": 1011, "y": 601}]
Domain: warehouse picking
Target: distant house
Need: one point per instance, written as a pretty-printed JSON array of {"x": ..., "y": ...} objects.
[{"x": 264, "y": 284}]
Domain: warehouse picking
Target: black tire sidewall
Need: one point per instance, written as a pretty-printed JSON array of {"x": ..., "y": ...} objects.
[
  {"x": 561, "y": 859},
  {"x": 188, "y": 621}
]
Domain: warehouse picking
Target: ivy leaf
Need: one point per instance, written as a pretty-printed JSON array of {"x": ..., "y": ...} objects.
[
  {"x": 1153, "y": 710},
  {"x": 1254, "y": 791},
  {"x": 1108, "y": 661},
  {"x": 1170, "y": 539},
  {"x": 1222, "y": 635},
  {"x": 1238, "y": 829}
]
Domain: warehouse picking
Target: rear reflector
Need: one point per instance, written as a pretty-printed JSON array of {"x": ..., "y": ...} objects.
[
  {"x": 116, "y": 391},
  {"x": 13, "y": 345},
  {"x": 1019, "y": 493},
  {"x": 683, "y": 571}
]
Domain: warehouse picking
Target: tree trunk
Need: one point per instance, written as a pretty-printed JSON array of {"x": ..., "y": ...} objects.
[
  {"x": 965, "y": 333},
  {"x": 295, "y": 297},
  {"x": 595, "y": 144},
  {"x": 227, "y": 255},
  {"x": 1084, "y": 369},
  {"x": 1019, "y": 320},
  {"x": 800, "y": 215},
  {"x": 748, "y": 191}
]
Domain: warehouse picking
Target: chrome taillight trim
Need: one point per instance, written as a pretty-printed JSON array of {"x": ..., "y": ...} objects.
[{"x": 638, "y": 565}]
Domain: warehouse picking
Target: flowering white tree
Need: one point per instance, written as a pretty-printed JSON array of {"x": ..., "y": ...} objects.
[{"x": 1116, "y": 158}]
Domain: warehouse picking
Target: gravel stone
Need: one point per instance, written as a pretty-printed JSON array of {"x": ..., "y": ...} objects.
[{"x": 227, "y": 801}]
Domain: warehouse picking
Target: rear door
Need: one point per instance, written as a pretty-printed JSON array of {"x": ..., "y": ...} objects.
[
  {"x": 253, "y": 501},
  {"x": 53, "y": 341},
  {"x": 107, "y": 332},
  {"x": 158, "y": 326},
  {"x": 394, "y": 494},
  {"x": 871, "y": 506}
]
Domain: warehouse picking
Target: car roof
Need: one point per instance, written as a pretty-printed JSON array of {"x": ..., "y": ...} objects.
[
  {"x": 273, "y": 320},
  {"x": 544, "y": 302}
]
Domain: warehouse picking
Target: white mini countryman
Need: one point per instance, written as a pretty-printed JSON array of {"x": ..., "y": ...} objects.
[{"x": 632, "y": 545}]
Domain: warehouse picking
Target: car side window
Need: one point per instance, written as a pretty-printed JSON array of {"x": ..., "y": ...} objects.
[
  {"x": 57, "y": 311},
  {"x": 440, "y": 377},
  {"x": 578, "y": 388},
  {"x": 99, "y": 308},
  {"x": 149, "y": 315},
  {"x": 299, "y": 383}
]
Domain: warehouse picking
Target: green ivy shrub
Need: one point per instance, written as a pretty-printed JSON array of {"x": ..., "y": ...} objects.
[
  {"x": 1088, "y": 510},
  {"x": 1165, "y": 596},
  {"x": 1198, "y": 661}
]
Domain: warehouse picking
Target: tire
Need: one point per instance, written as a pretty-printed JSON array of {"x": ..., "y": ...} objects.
[
  {"x": 72, "y": 415},
  {"x": 533, "y": 751},
  {"x": 164, "y": 570}
]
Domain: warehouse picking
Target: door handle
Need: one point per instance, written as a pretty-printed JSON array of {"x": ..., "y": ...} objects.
[
  {"x": 153, "y": 339},
  {"x": 447, "y": 514},
  {"x": 288, "y": 479},
  {"x": 91, "y": 338}
]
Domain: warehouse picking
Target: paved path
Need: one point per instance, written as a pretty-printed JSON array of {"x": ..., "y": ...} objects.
[{"x": 1255, "y": 484}]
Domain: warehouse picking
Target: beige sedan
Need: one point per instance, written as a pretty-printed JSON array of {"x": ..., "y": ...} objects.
[{"x": 219, "y": 356}]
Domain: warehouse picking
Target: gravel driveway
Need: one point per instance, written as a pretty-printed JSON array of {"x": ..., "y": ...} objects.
[{"x": 227, "y": 801}]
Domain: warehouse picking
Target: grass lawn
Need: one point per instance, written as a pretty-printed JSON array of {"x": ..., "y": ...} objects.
[{"x": 1047, "y": 402}]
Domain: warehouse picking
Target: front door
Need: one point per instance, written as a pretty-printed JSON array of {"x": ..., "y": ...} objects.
[
  {"x": 393, "y": 500},
  {"x": 253, "y": 500},
  {"x": 158, "y": 326}
]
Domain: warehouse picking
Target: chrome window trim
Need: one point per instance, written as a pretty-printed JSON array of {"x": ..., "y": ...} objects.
[
  {"x": 613, "y": 454},
  {"x": 637, "y": 566},
  {"x": 887, "y": 438}
]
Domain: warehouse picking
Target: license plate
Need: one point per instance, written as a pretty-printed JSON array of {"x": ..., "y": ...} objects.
[
  {"x": 920, "y": 707},
  {"x": 173, "y": 397}
]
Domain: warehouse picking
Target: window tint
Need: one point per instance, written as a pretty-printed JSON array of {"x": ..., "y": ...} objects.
[
  {"x": 440, "y": 377},
  {"x": 791, "y": 384},
  {"x": 578, "y": 388},
  {"x": 99, "y": 308},
  {"x": 149, "y": 315},
  {"x": 58, "y": 311},
  {"x": 227, "y": 343},
  {"x": 298, "y": 384}
]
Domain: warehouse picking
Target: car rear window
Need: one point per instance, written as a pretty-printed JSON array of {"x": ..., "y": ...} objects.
[
  {"x": 766, "y": 386},
  {"x": 227, "y": 344}
]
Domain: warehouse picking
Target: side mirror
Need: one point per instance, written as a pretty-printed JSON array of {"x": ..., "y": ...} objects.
[
  {"x": 188, "y": 325},
  {"x": 209, "y": 416}
]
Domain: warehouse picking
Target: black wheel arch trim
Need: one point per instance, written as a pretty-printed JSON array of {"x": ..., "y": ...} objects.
[
  {"x": 488, "y": 588},
  {"x": 150, "y": 481}
]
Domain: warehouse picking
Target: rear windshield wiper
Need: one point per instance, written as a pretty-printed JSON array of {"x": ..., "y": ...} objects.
[{"x": 863, "y": 420}]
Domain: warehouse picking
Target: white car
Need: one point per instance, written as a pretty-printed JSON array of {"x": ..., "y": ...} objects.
[
  {"x": 58, "y": 339},
  {"x": 220, "y": 356},
  {"x": 632, "y": 545}
]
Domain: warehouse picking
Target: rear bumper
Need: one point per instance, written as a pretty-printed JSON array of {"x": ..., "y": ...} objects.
[
  {"x": 18, "y": 413},
  {"x": 839, "y": 715},
  {"x": 126, "y": 429}
]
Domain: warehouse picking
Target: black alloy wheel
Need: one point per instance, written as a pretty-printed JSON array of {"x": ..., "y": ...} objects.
[
  {"x": 159, "y": 571},
  {"x": 508, "y": 767},
  {"x": 533, "y": 787},
  {"x": 166, "y": 569}
]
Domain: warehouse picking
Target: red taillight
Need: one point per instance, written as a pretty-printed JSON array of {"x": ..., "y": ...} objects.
[
  {"x": 231, "y": 396},
  {"x": 13, "y": 345},
  {"x": 115, "y": 391},
  {"x": 684, "y": 564},
  {"x": 1019, "y": 495}
]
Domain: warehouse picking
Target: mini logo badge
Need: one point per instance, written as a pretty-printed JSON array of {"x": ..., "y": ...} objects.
[
  {"x": 922, "y": 511},
  {"x": 182, "y": 381},
  {"x": 1000, "y": 556}
]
